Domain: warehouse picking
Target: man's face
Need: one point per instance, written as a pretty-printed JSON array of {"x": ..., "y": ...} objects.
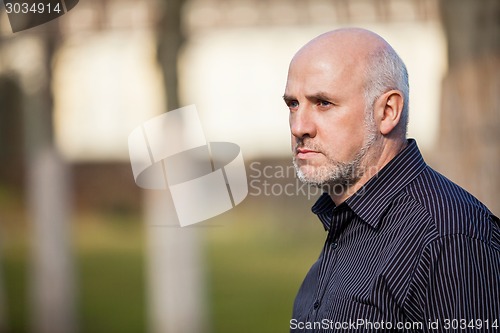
[{"x": 331, "y": 132}]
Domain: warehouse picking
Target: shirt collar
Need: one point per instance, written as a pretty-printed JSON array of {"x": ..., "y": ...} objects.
[
  {"x": 323, "y": 208},
  {"x": 371, "y": 201}
]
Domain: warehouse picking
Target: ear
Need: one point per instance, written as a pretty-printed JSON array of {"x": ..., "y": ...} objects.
[{"x": 389, "y": 108}]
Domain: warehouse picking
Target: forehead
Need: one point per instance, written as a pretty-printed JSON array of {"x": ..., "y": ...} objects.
[{"x": 323, "y": 71}]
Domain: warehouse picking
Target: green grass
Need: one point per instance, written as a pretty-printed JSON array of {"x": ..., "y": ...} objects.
[
  {"x": 111, "y": 274},
  {"x": 256, "y": 257}
]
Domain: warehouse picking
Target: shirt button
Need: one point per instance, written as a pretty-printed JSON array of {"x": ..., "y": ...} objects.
[
  {"x": 316, "y": 305},
  {"x": 334, "y": 245}
]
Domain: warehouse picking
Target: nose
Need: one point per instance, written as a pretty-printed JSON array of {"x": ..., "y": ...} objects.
[{"x": 302, "y": 123}]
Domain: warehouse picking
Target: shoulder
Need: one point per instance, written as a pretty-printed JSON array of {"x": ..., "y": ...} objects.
[{"x": 452, "y": 209}]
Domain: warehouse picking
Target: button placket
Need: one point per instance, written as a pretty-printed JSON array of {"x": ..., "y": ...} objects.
[{"x": 328, "y": 260}]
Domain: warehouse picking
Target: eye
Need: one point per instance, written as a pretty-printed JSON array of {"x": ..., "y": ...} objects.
[
  {"x": 323, "y": 103},
  {"x": 292, "y": 104}
]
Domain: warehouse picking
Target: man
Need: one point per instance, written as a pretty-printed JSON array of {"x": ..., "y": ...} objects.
[{"x": 407, "y": 250}]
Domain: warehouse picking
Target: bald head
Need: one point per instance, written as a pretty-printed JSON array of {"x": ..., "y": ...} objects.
[
  {"x": 364, "y": 59},
  {"x": 352, "y": 43}
]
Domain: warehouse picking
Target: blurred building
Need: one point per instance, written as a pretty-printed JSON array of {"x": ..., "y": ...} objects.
[{"x": 233, "y": 66}]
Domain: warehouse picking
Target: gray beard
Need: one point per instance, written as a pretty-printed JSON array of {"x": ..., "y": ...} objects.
[{"x": 339, "y": 174}]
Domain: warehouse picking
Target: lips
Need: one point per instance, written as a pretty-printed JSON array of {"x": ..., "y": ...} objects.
[{"x": 303, "y": 153}]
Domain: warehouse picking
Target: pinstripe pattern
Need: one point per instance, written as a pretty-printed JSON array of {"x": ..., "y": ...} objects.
[{"x": 409, "y": 247}]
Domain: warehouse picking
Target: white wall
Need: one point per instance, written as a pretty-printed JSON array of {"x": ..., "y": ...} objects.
[{"x": 108, "y": 83}]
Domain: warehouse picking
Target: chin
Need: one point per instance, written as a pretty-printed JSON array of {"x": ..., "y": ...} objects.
[
  {"x": 306, "y": 169},
  {"x": 308, "y": 174}
]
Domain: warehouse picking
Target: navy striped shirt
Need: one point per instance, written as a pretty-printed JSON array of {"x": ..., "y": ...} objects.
[{"x": 409, "y": 252}]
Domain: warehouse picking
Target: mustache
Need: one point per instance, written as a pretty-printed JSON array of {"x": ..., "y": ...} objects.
[{"x": 309, "y": 145}]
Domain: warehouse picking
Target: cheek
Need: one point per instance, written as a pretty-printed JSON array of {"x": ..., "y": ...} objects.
[{"x": 343, "y": 141}]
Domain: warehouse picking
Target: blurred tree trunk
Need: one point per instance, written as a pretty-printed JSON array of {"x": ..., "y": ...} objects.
[
  {"x": 11, "y": 147},
  {"x": 11, "y": 162},
  {"x": 170, "y": 40},
  {"x": 52, "y": 293},
  {"x": 469, "y": 146},
  {"x": 176, "y": 295},
  {"x": 3, "y": 309}
]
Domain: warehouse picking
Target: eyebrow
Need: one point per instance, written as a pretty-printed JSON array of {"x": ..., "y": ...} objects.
[{"x": 321, "y": 95}]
